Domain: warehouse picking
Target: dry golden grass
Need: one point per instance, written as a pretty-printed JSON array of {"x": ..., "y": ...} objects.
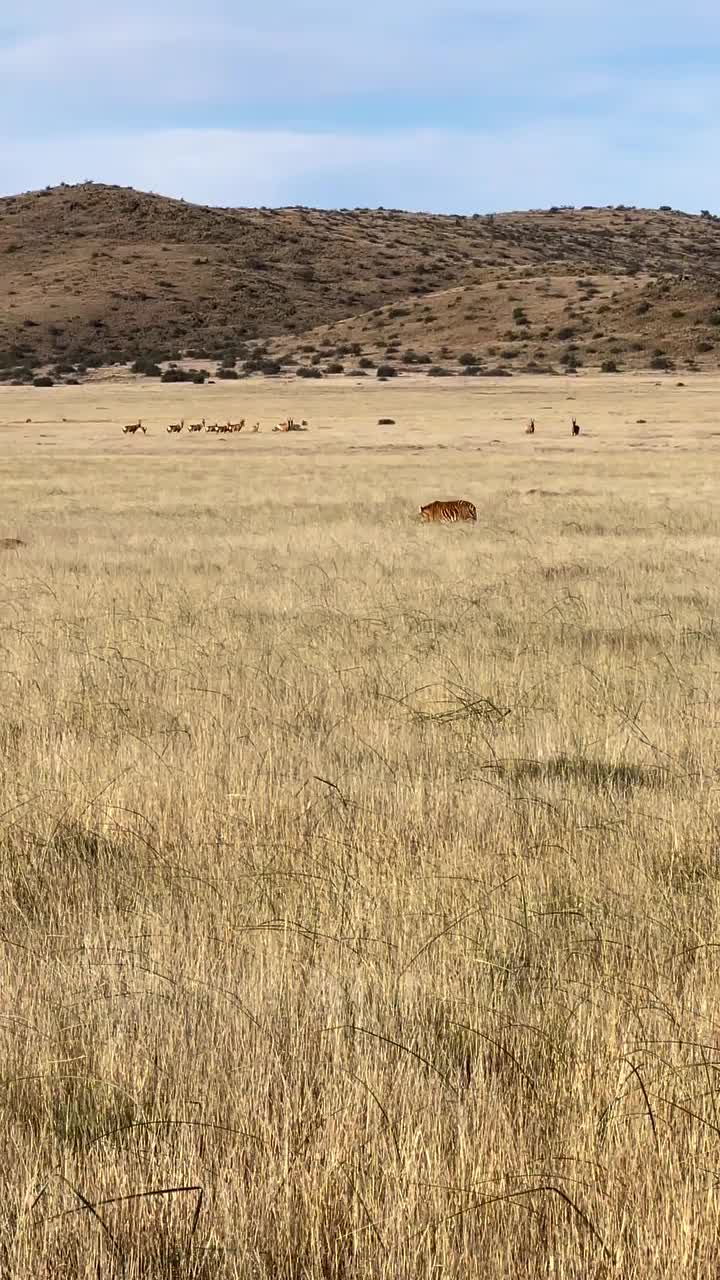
[{"x": 359, "y": 893}]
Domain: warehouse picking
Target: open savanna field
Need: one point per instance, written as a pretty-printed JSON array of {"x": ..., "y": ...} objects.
[{"x": 359, "y": 891}]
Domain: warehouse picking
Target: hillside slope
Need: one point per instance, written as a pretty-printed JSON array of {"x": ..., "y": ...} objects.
[{"x": 96, "y": 273}]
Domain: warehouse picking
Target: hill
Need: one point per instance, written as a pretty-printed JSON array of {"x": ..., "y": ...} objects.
[{"x": 96, "y": 274}]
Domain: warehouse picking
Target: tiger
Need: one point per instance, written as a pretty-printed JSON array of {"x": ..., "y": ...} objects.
[{"x": 448, "y": 512}]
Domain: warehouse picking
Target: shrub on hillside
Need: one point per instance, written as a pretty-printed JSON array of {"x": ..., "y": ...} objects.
[
  {"x": 468, "y": 358},
  {"x": 197, "y": 376},
  {"x": 227, "y": 375},
  {"x": 386, "y": 371},
  {"x": 146, "y": 367},
  {"x": 43, "y": 382},
  {"x": 303, "y": 371},
  {"x": 609, "y": 366}
]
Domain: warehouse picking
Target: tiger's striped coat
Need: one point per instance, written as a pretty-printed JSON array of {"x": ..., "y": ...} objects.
[{"x": 448, "y": 512}]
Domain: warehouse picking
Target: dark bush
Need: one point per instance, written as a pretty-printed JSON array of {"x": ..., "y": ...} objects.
[
  {"x": 227, "y": 375},
  {"x": 386, "y": 371},
  {"x": 358, "y": 373},
  {"x": 335, "y": 368},
  {"x": 438, "y": 371},
  {"x": 662, "y": 362},
  {"x": 643, "y": 308},
  {"x": 43, "y": 382},
  {"x": 260, "y": 364},
  {"x": 609, "y": 366},
  {"x": 366, "y": 363},
  {"x": 146, "y": 367},
  {"x": 185, "y": 375},
  {"x": 468, "y": 358},
  {"x": 303, "y": 371}
]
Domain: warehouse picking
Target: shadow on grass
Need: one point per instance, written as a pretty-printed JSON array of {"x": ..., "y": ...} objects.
[{"x": 590, "y": 773}]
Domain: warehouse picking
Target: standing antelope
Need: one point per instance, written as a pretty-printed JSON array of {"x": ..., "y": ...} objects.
[
  {"x": 530, "y": 428},
  {"x": 175, "y": 427},
  {"x": 132, "y": 427},
  {"x": 196, "y": 426},
  {"x": 256, "y": 426},
  {"x": 575, "y": 428}
]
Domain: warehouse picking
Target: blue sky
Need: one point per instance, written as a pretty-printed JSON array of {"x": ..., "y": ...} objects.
[{"x": 446, "y": 105}]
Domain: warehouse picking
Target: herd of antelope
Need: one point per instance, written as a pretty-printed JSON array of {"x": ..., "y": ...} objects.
[
  {"x": 216, "y": 428},
  {"x": 449, "y": 512}
]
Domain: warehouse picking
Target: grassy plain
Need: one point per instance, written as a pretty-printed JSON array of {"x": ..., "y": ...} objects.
[{"x": 359, "y": 890}]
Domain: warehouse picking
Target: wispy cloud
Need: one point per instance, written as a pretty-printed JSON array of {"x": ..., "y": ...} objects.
[{"x": 423, "y": 103}]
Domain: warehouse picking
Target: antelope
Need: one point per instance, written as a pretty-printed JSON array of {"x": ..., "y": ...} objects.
[
  {"x": 291, "y": 425},
  {"x": 197, "y": 426},
  {"x": 236, "y": 426},
  {"x": 212, "y": 426},
  {"x": 256, "y": 427},
  {"x": 175, "y": 427},
  {"x": 575, "y": 428},
  {"x": 530, "y": 428},
  {"x": 132, "y": 427}
]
